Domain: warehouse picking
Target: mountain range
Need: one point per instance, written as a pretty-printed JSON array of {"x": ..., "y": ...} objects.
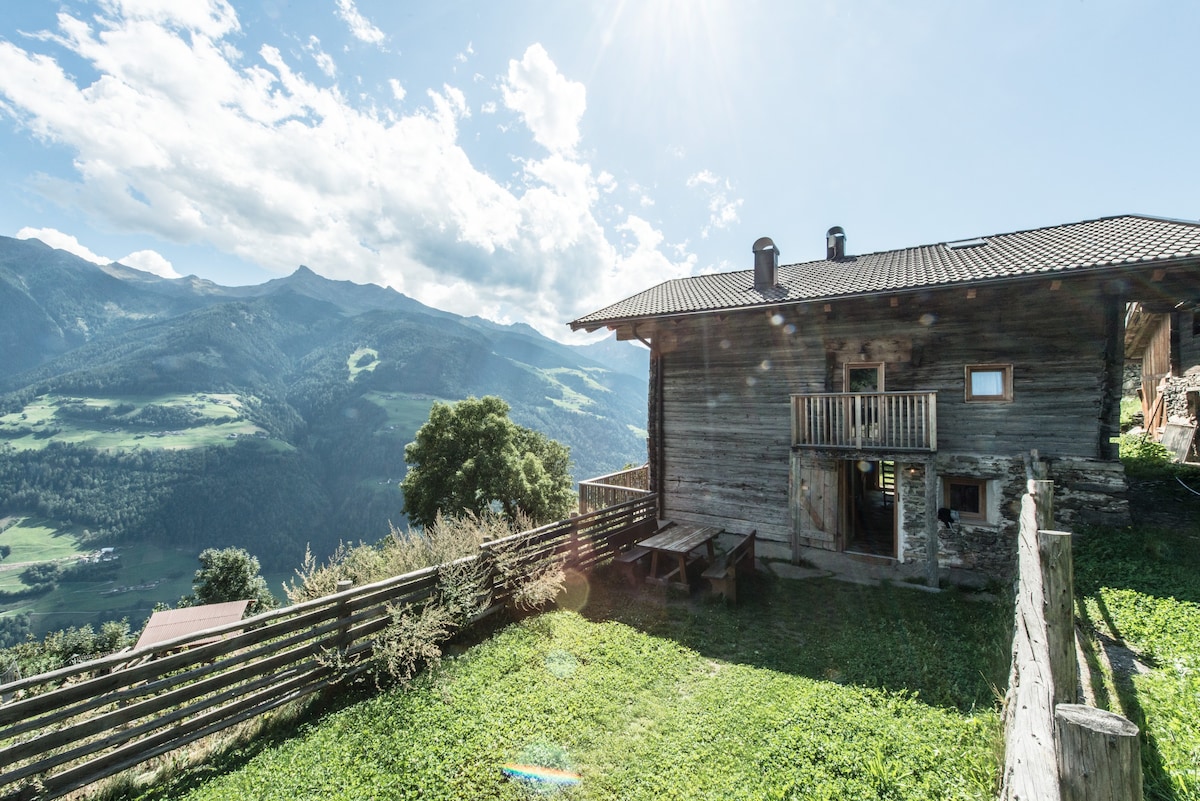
[{"x": 135, "y": 408}]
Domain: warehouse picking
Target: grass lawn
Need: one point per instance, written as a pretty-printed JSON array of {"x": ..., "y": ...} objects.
[
  {"x": 1138, "y": 595},
  {"x": 807, "y": 690}
]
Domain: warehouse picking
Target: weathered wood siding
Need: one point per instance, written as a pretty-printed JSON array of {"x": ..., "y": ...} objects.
[
  {"x": 1189, "y": 343},
  {"x": 1156, "y": 363},
  {"x": 726, "y": 381}
]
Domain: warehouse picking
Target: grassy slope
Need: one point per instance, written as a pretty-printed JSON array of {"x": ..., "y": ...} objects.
[
  {"x": 1141, "y": 587},
  {"x": 781, "y": 697},
  {"x": 25, "y": 429}
]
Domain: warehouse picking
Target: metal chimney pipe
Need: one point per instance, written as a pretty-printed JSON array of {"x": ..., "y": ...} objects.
[
  {"x": 835, "y": 244},
  {"x": 766, "y": 264}
]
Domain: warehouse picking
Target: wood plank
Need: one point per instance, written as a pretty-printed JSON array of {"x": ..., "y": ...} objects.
[{"x": 1177, "y": 438}]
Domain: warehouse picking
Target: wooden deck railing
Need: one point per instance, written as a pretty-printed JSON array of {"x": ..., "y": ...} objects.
[
  {"x": 614, "y": 488},
  {"x": 63, "y": 730},
  {"x": 893, "y": 421}
]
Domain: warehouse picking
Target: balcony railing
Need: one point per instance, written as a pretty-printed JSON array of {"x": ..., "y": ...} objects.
[
  {"x": 892, "y": 421},
  {"x": 604, "y": 491}
]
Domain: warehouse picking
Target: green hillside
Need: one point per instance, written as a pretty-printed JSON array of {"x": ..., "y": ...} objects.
[{"x": 138, "y": 411}]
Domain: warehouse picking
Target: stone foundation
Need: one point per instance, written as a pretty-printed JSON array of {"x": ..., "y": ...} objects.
[
  {"x": 1180, "y": 398},
  {"x": 1086, "y": 491}
]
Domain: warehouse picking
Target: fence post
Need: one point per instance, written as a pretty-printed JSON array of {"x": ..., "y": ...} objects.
[
  {"x": 1099, "y": 755},
  {"x": 1043, "y": 497},
  {"x": 1058, "y": 594},
  {"x": 343, "y": 637}
]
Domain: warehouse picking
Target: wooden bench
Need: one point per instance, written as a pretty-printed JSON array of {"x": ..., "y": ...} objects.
[
  {"x": 630, "y": 563},
  {"x": 722, "y": 574}
]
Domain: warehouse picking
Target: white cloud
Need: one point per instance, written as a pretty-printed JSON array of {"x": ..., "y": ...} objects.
[
  {"x": 62, "y": 241},
  {"x": 360, "y": 26},
  {"x": 323, "y": 59},
  {"x": 722, "y": 209},
  {"x": 550, "y": 105},
  {"x": 247, "y": 155},
  {"x": 150, "y": 261}
]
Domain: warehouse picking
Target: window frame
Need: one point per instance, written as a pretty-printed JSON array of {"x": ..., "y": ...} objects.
[
  {"x": 880, "y": 371},
  {"x": 1006, "y": 378},
  {"x": 979, "y": 483}
]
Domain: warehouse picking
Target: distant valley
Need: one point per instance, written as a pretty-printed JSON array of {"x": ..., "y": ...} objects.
[{"x": 163, "y": 416}]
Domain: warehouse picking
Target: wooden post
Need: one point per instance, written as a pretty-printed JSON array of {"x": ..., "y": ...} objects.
[
  {"x": 1043, "y": 497},
  {"x": 1054, "y": 551},
  {"x": 343, "y": 638},
  {"x": 1099, "y": 755},
  {"x": 932, "y": 532}
]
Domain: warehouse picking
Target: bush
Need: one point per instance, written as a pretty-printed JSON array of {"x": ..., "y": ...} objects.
[
  {"x": 1144, "y": 458},
  {"x": 401, "y": 552},
  {"x": 414, "y": 636}
]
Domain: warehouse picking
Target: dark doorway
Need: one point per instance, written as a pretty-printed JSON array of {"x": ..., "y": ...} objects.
[{"x": 870, "y": 512}]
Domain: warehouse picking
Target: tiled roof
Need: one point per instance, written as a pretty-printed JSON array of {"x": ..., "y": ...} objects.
[
  {"x": 167, "y": 624},
  {"x": 1061, "y": 249}
]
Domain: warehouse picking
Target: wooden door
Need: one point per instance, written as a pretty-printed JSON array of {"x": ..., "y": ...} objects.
[{"x": 814, "y": 503}]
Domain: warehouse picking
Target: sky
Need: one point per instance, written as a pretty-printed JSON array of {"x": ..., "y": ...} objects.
[{"x": 535, "y": 160}]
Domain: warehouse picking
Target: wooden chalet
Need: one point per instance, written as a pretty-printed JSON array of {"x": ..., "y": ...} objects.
[{"x": 884, "y": 406}]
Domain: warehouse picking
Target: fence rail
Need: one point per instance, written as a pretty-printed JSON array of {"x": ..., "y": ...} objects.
[
  {"x": 614, "y": 488},
  {"x": 71, "y": 727},
  {"x": 894, "y": 421},
  {"x": 1055, "y": 749}
]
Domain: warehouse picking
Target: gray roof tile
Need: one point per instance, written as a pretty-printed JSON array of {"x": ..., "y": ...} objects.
[{"x": 1106, "y": 242}]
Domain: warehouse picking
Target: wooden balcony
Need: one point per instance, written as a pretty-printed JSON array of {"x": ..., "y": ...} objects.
[
  {"x": 883, "y": 421},
  {"x": 604, "y": 491}
]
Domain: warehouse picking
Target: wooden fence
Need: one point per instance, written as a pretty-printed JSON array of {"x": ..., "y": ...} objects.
[
  {"x": 63, "y": 730},
  {"x": 614, "y": 488},
  {"x": 900, "y": 421},
  {"x": 1055, "y": 749}
]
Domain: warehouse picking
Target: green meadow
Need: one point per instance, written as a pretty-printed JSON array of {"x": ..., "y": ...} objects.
[{"x": 117, "y": 423}]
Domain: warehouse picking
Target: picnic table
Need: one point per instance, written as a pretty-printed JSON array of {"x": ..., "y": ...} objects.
[{"x": 675, "y": 543}]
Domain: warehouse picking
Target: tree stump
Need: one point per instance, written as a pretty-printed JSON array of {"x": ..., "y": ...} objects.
[{"x": 1099, "y": 755}]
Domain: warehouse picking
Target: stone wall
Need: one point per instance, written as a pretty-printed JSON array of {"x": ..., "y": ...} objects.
[
  {"x": 968, "y": 552},
  {"x": 1179, "y": 407},
  {"x": 988, "y": 548},
  {"x": 1132, "y": 378},
  {"x": 1088, "y": 491}
]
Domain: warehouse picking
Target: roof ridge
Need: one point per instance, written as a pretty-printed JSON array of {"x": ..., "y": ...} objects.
[{"x": 1106, "y": 218}]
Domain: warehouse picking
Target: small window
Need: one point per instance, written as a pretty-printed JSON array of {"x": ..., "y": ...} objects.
[
  {"x": 967, "y": 496},
  {"x": 989, "y": 382}
]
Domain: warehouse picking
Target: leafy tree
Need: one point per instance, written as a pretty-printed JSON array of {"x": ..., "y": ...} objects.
[
  {"x": 470, "y": 457},
  {"x": 229, "y": 575}
]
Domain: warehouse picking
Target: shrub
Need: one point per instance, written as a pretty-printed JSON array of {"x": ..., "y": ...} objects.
[
  {"x": 415, "y": 634},
  {"x": 1145, "y": 458}
]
